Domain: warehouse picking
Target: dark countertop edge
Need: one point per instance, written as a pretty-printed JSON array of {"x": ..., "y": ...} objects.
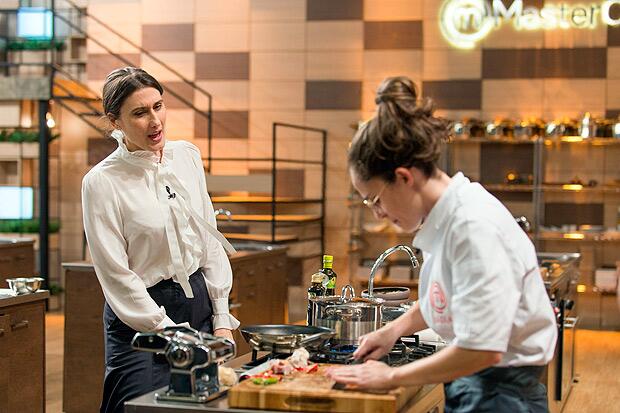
[
  {"x": 13, "y": 242},
  {"x": 147, "y": 404},
  {"x": 239, "y": 256},
  {"x": 7, "y": 301}
]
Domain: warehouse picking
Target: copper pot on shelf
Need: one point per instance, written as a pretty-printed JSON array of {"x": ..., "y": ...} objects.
[
  {"x": 604, "y": 128},
  {"x": 563, "y": 127},
  {"x": 506, "y": 128},
  {"x": 475, "y": 128}
]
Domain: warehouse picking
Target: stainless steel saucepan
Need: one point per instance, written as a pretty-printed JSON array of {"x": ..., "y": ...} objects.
[{"x": 351, "y": 317}]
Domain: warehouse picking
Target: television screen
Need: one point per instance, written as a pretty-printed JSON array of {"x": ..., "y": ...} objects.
[
  {"x": 34, "y": 23},
  {"x": 16, "y": 202}
]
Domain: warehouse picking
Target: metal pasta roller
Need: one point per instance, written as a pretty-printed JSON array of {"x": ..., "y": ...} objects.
[{"x": 193, "y": 357}]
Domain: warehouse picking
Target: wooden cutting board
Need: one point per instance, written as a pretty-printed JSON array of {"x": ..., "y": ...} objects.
[{"x": 312, "y": 392}]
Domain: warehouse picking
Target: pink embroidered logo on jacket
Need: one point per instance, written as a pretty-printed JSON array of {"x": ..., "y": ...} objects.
[{"x": 438, "y": 298}]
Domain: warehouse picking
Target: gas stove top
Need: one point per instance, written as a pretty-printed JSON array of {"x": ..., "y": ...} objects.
[{"x": 405, "y": 350}]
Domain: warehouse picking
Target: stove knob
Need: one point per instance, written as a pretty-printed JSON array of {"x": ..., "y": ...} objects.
[{"x": 180, "y": 356}]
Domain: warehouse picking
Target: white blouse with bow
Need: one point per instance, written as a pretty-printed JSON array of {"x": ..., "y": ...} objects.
[{"x": 147, "y": 220}]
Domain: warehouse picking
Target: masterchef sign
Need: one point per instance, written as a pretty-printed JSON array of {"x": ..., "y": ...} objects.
[{"x": 465, "y": 22}]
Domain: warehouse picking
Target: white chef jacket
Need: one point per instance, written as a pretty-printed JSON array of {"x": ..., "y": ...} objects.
[
  {"x": 480, "y": 285},
  {"x": 139, "y": 219}
]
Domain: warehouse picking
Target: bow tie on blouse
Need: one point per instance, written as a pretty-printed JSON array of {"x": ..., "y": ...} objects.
[{"x": 175, "y": 206}]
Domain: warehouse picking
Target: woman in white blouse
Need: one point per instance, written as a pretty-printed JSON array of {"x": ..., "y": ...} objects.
[{"x": 151, "y": 232}]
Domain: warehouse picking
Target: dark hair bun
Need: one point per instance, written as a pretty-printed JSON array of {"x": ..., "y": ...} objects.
[
  {"x": 400, "y": 96},
  {"x": 404, "y": 132}
]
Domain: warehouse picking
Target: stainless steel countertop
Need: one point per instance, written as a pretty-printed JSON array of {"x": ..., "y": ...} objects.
[
  {"x": 566, "y": 271},
  {"x": 13, "y": 242},
  {"x": 245, "y": 251},
  {"x": 9, "y": 300}
]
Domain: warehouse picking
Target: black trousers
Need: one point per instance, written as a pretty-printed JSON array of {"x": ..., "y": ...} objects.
[
  {"x": 131, "y": 373},
  {"x": 498, "y": 390}
]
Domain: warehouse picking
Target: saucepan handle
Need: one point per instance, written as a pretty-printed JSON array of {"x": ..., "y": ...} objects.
[{"x": 344, "y": 312}]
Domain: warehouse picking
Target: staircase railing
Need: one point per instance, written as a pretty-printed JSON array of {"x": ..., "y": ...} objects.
[
  {"x": 87, "y": 102},
  {"x": 208, "y": 114}
]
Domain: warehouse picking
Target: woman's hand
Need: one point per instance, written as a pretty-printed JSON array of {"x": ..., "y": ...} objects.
[
  {"x": 375, "y": 345},
  {"x": 370, "y": 375},
  {"x": 224, "y": 332}
]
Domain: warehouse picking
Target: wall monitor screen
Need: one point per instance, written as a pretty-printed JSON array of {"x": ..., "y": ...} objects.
[
  {"x": 34, "y": 23},
  {"x": 16, "y": 202}
]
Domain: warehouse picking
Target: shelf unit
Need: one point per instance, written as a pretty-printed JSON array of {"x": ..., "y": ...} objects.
[
  {"x": 39, "y": 64},
  {"x": 296, "y": 221},
  {"x": 25, "y": 157},
  {"x": 563, "y": 188},
  {"x": 545, "y": 187},
  {"x": 555, "y": 162},
  {"x": 293, "y": 219}
]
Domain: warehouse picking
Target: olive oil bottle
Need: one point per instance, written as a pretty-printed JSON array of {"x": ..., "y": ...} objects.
[
  {"x": 330, "y": 275},
  {"x": 316, "y": 290}
]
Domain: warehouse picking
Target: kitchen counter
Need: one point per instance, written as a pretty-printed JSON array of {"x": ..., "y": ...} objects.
[
  {"x": 12, "y": 242},
  {"x": 258, "y": 296},
  {"x": 560, "y": 273},
  {"x": 7, "y": 300},
  {"x": 426, "y": 400},
  {"x": 558, "y": 269},
  {"x": 22, "y": 352},
  {"x": 245, "y": 252}
]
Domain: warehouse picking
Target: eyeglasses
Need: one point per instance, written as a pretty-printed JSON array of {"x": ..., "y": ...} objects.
[{"x": 371, "y": 203}]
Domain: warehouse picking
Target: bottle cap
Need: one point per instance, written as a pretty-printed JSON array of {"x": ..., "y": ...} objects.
[
  {"x": 317, "y": 277},
  {"x": 328, "y": 261}
]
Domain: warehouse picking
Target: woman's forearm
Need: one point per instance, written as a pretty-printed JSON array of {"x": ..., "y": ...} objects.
[
  {"x": 444, "y": 366},
  {"x": 409, "y": 323}
]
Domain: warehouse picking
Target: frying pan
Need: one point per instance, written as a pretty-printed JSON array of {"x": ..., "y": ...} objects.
[{"x": 283, "y": 338}]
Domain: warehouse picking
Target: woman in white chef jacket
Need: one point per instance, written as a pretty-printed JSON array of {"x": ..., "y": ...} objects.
[
  {"x": 480, "y": 287},
  {"x": 151, "y": 232}
]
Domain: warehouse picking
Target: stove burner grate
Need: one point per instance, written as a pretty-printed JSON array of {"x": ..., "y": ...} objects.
[{"x": 405, "y": 351}]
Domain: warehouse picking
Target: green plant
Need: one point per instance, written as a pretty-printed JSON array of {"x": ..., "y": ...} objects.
[
  {"x": 55, "y": 288},
  {"x": 22, "y": 135},
  {"x": 34, "y": 44},
  {"x": 27, "y": 226}
]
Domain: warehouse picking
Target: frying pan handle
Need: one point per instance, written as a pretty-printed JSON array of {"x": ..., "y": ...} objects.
[
  {"x": 254, "y": 343},
  {"x": 311, "y": 338}
]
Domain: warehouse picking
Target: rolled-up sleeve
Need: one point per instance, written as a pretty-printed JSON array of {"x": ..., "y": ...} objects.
[
  {"x": 485, "y": 288},
  {"x": 217, "y": 270},
  {"x": 124, "y": 290}
]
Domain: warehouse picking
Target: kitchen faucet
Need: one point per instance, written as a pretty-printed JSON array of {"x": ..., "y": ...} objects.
[{"x": 382, "y": 257}]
